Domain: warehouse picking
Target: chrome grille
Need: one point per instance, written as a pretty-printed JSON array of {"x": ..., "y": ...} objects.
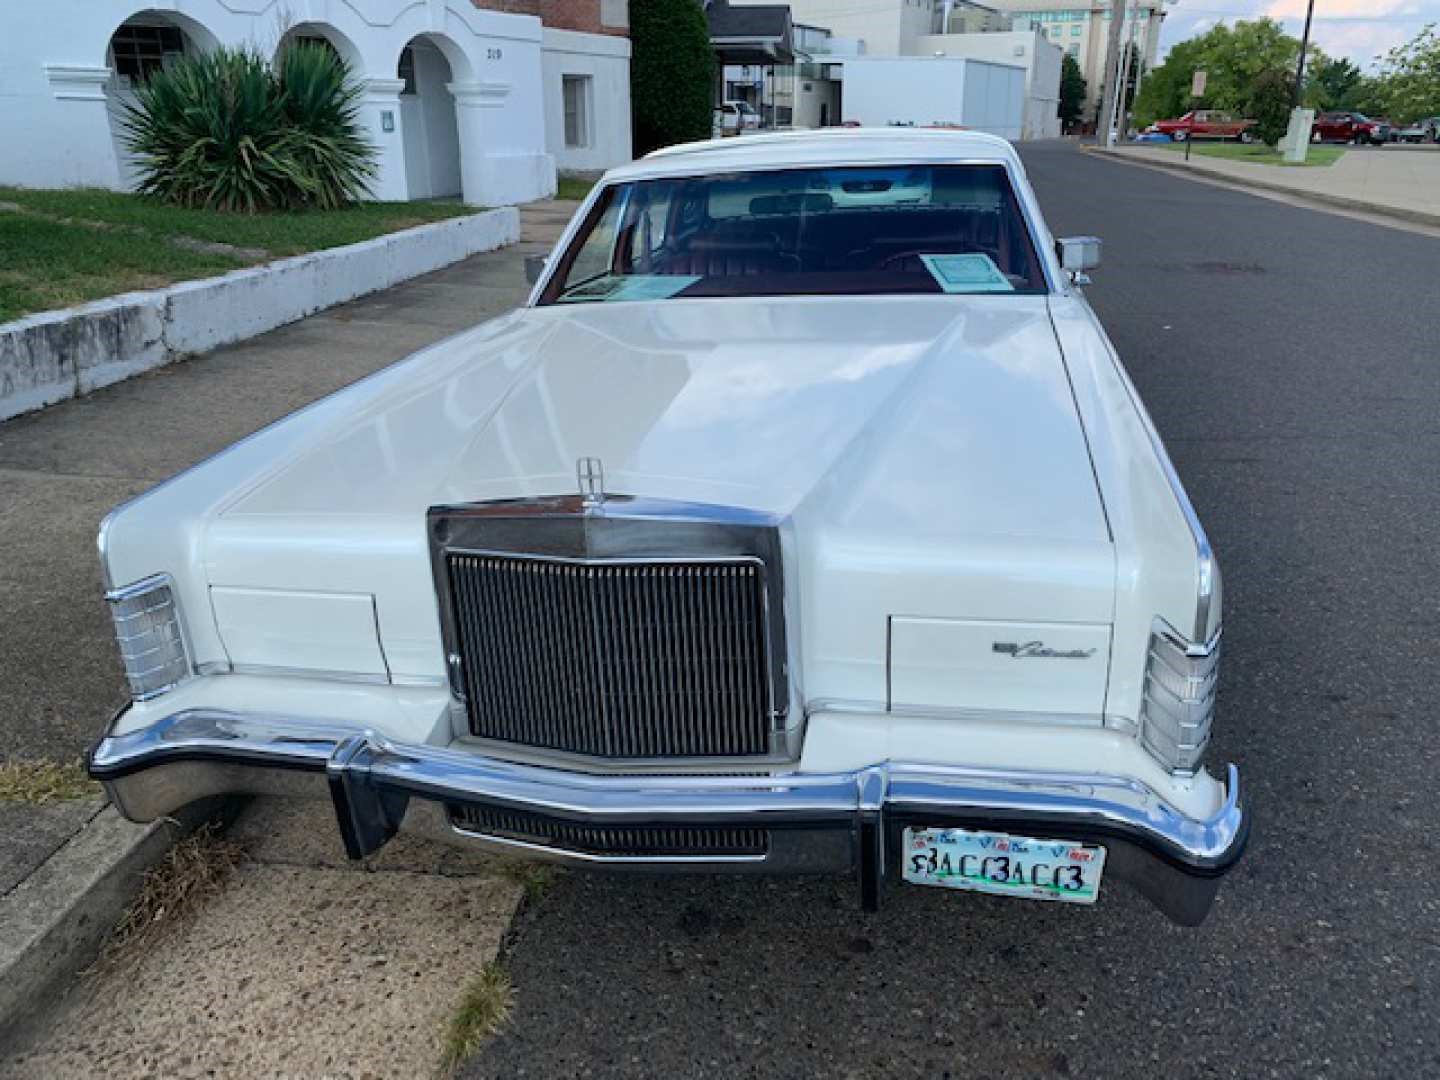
[
  {"x": 632, "y": 840},
  {"x": 649, "y": 659}
]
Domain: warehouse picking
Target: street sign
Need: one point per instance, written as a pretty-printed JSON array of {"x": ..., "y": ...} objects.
[{"x": 1197, "y": 85}]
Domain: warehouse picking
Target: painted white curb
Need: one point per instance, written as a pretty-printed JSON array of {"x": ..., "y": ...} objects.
[{"x": 57, "y": 355}]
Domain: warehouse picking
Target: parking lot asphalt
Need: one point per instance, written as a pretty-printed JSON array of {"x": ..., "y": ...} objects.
[{"x": 1291, "y": 360}]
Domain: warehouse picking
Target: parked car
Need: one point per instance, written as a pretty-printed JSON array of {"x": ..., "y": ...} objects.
[
  {"x": 1421, "y": 131},
  {"x": 1206, "y": 124},
  {"x": 734, "y": 117},
  {"x": 1351, "y": 127},
  {"x": 787, "y": 527}
]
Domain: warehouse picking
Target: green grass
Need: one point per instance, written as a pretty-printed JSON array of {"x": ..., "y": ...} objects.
[
  {"x": 574, "y": 187},
  {"x": 483, "y": 1008},
  {"x": 1259, "y": 153},
  {"x": 67, "y": 247}
]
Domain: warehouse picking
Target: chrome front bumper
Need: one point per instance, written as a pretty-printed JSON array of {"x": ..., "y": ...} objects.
[{"x": 819, "y": 822}]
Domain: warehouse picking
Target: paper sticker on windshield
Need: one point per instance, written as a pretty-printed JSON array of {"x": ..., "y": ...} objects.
[
  {"x": 970, "y": 273},
  {"x": 652, "y": 286}
]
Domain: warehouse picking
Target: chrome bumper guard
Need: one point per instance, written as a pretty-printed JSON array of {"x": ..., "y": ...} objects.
[{"x": 818, "y": 822}]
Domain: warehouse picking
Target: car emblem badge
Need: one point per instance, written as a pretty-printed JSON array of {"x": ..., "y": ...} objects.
[
  {"x": 591, "y": 475},
  {"x": 1038, "y": 649}
]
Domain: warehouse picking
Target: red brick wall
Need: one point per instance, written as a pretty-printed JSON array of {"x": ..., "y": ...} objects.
[{"x": 561, "y": 14}]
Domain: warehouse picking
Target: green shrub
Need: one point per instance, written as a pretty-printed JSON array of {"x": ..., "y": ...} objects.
[
  {"x": 672, "y": 73},
  {"x": 320, "y": 102},
  {"x": 1268, "y": 104},
  {"x": 226, "y": 131}
]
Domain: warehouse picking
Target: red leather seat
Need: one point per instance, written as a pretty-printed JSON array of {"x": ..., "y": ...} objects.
[{"x": 712, "y": 257}]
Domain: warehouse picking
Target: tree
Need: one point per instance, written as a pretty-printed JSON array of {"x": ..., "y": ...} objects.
[
  {"x": 1269, "y": 104},
  {"x": 1333, "y": 84},
  {"x": 1233, "y": 58},
  {"x": 1072, "y": 90},
  {"x": 1408, "y": 86},
  {"x": 672, "y": 73}
]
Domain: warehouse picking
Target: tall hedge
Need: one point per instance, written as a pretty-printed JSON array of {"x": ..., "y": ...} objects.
[{"x": 672, "y": 73}]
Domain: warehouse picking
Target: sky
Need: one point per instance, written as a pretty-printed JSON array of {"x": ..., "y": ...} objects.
[{"x": 1359, "y": 30}]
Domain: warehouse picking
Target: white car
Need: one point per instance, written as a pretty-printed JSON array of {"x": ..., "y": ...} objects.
[
  {"x": 784, "y": 529},
  {"x": 736, "y": 117}
]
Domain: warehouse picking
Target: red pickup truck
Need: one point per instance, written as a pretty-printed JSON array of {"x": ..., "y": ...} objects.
[
  {"x": 1206, "y": 124},
  {"x": 1351, "y": 127}
]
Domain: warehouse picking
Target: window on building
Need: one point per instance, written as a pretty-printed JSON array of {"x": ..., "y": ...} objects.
[
  {"x": 1075, "y": 30},
  {"x": 406, "y": 69},
  {"x": 576, "y": 92},
  {"x": 140, "y": 51},
  {"x": 1074, "y": 49}
]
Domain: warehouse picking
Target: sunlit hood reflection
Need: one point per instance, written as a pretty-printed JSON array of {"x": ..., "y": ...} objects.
[{"x": 864, "y": 407}]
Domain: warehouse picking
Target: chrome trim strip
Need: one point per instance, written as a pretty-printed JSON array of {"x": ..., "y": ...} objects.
[
  {"x": 154, "y": 770},
  {"x": 373, "y": 678},
  {"x": 955, "y": 712}
]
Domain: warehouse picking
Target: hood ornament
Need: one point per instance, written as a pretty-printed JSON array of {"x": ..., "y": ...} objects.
[{"x": 591, "y": 476}]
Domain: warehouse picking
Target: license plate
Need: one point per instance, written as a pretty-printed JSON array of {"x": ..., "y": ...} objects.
[{"x": 1004, "y": 864}]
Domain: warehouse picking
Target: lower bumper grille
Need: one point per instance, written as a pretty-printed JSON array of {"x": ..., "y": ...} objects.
[{"x": 639, "y": 840}]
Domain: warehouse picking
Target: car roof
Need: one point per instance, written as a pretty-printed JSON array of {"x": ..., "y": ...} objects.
[{"x": 823, "y": 146}]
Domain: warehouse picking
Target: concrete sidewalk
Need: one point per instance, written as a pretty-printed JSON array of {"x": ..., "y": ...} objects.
[
  {"x": 1397, "y": 181},
  {"x": 63, "y": 468}
]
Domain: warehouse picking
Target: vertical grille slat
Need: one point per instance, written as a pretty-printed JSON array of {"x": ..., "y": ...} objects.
[{"x": 648, "y": 659}]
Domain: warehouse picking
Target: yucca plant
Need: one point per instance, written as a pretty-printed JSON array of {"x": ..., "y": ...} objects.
[
  {"x": 226, "y": 131},
  {"x": 321, "y": 105}
]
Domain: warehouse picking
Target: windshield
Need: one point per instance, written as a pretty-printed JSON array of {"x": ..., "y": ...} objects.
[{"x": 823, "y": 231}]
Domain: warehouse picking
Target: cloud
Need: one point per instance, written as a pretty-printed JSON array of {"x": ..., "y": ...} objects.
[{"x": 1359, "y": 30}]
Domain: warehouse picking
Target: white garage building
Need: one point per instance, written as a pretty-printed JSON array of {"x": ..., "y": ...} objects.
[{"x": 459, "y": 98}]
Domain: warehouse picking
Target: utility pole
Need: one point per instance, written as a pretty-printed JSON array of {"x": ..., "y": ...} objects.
[
  {"x": 1129, "y": 63},
  {"x": 1105, "y": 119},
  {"x": 1300, "y": 67}
]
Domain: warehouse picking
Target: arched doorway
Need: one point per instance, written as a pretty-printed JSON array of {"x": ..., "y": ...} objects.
[
  {"x": 325, "y": 34},
  {"x": 427, "y": 118},
  {"x": 146, "y": 42}
]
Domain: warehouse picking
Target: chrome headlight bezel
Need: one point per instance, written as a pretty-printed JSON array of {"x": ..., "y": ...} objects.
[
  {"x": 1177, "y": 708},
  {"x": 150, "y": 633}
]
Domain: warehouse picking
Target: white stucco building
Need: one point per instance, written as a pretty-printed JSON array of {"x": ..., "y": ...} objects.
[
  {"x": 483, "y": 99},
  {"x": 1028, "y": 49},
  {"x": 916, "y": 31}
]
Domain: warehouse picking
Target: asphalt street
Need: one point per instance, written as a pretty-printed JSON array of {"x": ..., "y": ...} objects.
[{"x": 1291, "y": 360}]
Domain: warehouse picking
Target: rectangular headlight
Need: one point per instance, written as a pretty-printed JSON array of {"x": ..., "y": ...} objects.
[
  {"x": 148, "y": 631},
  {"x": 1179, "y": 700}
]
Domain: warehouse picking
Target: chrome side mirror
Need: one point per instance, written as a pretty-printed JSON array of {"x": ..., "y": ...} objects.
[
  {"x": 1077, "y": 254},
  {"x": 535, "y": 268}
]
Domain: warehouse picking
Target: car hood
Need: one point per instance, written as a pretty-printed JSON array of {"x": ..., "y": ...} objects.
[
  {"x": 934, "y": 433},
  {"x": 756, "y": 405}
]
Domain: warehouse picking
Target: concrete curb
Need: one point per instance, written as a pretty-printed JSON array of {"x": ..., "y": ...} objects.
[
  {"x": 56, "y": 355},
  {"x": 1339, "y": 202},
  {"x": 55, "y": 921}
]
